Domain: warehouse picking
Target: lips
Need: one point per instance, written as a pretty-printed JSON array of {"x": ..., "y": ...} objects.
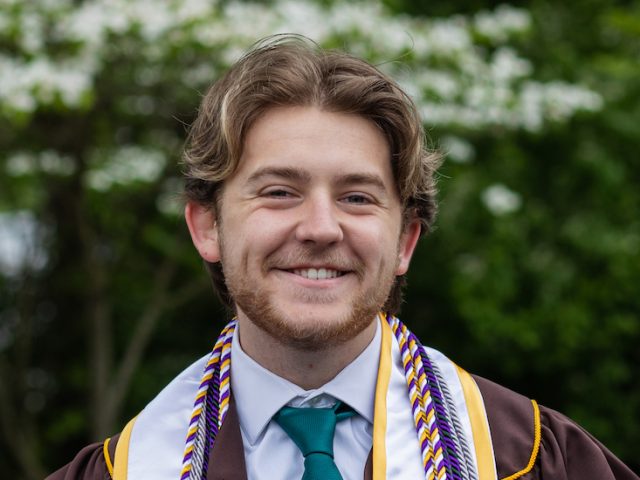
[
  {"x": 313, "y": 266},
  {"x": 317, "y": 273}
]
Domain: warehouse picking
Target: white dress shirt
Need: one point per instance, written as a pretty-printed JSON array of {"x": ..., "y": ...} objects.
[{"x": 259, "y": 394}]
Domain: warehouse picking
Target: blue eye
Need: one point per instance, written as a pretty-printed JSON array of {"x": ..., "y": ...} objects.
[
  {"x": 357, "y": 199},
  {"x": 278, "y": 194}
]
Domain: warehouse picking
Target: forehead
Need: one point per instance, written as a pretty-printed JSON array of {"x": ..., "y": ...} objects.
[{"x": 317, "y": 142}]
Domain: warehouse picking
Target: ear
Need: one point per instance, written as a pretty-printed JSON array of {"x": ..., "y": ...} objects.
[
  {"x": 203, "y": 228},
  {"x": 408, "y": 241}
]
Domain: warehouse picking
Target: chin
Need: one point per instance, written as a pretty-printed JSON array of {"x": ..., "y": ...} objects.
[
  {"x": 324, "y": 329},
  {"x": 310, "y": 324}
]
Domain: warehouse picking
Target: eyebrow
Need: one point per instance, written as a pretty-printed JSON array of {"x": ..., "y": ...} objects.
[
  {"x": 288, "y": 173},
  {"x": 296, "y": 174},
  {"x": 361, "y": 179}
]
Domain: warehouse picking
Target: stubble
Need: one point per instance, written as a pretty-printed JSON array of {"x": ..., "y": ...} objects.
[{"x": 256, "y": 302}]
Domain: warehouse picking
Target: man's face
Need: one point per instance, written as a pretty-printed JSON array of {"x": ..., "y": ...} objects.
[{"x": 309, "y": 230}]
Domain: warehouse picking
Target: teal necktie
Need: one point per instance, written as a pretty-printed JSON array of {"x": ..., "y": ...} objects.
[{"x": 312, "y": 429}]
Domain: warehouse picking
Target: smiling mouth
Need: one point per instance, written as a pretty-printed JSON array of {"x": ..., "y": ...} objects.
[{"x": 317, "y": 273}]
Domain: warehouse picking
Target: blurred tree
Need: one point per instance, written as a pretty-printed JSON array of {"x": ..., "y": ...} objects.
[
  {"x": 538, "y": 248},
  {"x": 531, "y": 273}
]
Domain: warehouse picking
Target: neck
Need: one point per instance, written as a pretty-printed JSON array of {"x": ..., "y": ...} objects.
[{"x": 309, "y": 369}]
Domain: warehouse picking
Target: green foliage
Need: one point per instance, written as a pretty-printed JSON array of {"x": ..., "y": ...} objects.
[
  {"x": 544, "y": 298},
  {"x": 530, "y": 277}
]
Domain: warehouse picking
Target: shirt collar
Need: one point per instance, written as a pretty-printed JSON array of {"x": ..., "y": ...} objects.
[{"x": 259, "y": 393}]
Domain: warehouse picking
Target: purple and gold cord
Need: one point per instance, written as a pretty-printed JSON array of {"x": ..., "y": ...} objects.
[
  {"x": 442, "y": 444},
  {"x": 440, "y": 451},
  {"x": 210, "y": 407}
]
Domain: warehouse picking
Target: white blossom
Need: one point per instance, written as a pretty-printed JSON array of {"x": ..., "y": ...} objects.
[
  {"x": 124, "y": 166},
  {"x": 506, "y": 65},
  {"x": 31, "y": 33},
  {"x": 454, "y": 81},
  {"x": 457, "y": 149},
  {"x": 43, "y": 81},
  {"x": 21, "y": 243},
  {"x": 502, "y": 22},
  {"x": 556, "y": 101},
  {"x": 48, "y": 161},
  {"x": 500, "y": 200},
  {"x": 563, "y": 100},
  {"x": 448, "y": 37},
  {"x": 299, "y": 17},
  {"x": 443, "y": 84},
  {"x": 192, "y": 10}
]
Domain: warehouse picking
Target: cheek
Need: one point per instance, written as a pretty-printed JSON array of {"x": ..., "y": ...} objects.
[
  {"x": 377, "y": 242},
  {"x": 255, "y": 237}
]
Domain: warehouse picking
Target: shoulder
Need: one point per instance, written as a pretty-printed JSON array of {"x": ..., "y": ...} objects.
[
  {"x": 93, "y": 462},
  {"x": 532, "y": 441},
  {"x": 569, "y": 447},
  {"x": 514, "y": 422}
]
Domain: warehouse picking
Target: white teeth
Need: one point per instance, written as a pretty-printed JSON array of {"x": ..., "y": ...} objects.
[{"x": 317, "y": 274}]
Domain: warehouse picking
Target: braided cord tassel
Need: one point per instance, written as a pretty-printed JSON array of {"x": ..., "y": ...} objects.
[
  {"x": 427, "y": 404},
  {"x": 444, "y": 451},
  {"x": 457, "y": 448},
  {"x": 225, "y": 382},
  {"x": 211, "y": 418},
  {"x": 415, "y": 396},
  {"x": 196, "y": 446},
  {"x": 446, "y": 442}
]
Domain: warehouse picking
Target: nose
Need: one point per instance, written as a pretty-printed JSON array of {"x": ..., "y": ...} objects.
[{"x": 319, "y": 222}]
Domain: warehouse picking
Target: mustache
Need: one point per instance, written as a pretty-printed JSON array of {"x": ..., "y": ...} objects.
[{"x": 311, "y": 256}]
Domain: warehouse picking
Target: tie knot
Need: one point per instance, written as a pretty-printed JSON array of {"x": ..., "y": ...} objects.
[{"x": 312, "y": 429}]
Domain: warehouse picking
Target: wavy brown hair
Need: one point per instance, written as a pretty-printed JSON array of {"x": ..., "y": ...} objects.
[{"x": 288, "y": 70}]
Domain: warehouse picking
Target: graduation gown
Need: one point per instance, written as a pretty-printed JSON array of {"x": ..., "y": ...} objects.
[{"x": 563, "y": 450}]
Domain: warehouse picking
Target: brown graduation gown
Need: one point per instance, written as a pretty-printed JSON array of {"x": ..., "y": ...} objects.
[{"x": 567, "y": 452}]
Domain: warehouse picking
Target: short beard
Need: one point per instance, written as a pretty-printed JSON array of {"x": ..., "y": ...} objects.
[
  {"x": 262, "y": 313},
  {"x": 256, "y": 305}
]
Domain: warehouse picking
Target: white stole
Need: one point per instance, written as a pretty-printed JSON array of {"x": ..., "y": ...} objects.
[{"x": 152, "y": 445}]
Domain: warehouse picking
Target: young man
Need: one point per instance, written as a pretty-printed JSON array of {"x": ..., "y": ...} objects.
[{"x": 308, "y": 187}]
